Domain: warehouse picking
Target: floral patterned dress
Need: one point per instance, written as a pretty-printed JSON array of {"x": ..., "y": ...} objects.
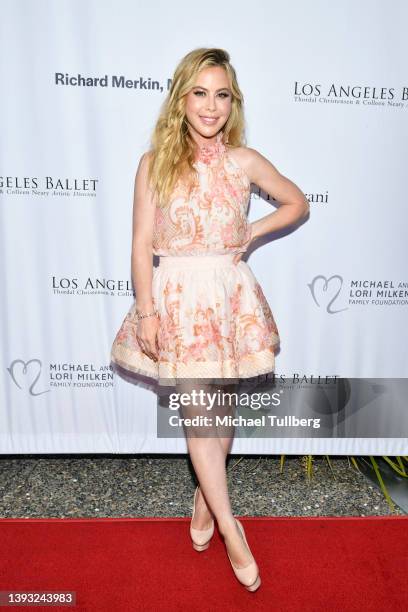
[{"x": 215, "y": 322}]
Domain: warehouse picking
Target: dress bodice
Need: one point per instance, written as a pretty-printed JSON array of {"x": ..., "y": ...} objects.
[{"x": 211, "y": 219}]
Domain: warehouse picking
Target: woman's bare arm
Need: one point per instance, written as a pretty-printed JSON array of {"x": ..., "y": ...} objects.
[
  {"x": 263, "y": 173},
  {"x": 142, "y": 250}
]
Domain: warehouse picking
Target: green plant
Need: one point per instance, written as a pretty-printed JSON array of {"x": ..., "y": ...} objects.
[{"x": 399, "y": 465}]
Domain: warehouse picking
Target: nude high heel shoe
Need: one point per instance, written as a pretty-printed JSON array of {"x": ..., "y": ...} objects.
[
  {"x": 200, "y": 537},
  {"x": 248, "y": 576}
]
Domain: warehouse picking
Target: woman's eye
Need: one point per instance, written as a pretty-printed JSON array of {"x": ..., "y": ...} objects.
[{"x": 222, "y": 94}]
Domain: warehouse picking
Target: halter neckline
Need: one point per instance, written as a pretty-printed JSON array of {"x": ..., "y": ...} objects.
[{"x": 211, "y": 151}]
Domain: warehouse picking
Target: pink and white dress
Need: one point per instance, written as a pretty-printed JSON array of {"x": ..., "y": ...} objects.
[{"x": 215, "y": 322}]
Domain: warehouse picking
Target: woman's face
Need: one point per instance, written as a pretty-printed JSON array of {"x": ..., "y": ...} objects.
[{"x": 210, "y": 98}]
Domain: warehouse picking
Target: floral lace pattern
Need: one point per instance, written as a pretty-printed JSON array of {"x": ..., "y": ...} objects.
[
  {"x": 213, "y": 217},
  {"x": 215, "y": 322}
]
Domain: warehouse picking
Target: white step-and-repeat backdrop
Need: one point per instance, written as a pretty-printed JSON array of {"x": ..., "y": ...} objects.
[{"x": 326, "y": 100}]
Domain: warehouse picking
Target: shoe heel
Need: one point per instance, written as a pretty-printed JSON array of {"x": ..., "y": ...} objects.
[
  {"x": 254, "y": 586},
  {"x": 201, "y": 547}
]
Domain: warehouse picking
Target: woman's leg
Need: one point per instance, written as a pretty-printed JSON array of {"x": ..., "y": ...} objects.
[
  {"x": 203, "y": 514},
  {"x": 208, "y": 447}
]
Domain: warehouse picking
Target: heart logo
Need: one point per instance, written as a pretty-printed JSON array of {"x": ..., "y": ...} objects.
[
  {"x": 25, "y": 374},
  {"x": 319, "y": 288}
]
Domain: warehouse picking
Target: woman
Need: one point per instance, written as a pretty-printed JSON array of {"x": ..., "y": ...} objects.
[{"x": 200, "y": 317}]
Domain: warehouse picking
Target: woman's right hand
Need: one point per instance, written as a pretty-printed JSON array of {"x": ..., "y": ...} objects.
[{"x": 147, "y": 336}]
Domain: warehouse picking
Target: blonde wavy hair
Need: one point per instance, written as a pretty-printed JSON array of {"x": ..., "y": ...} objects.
[{"x": 171, "y": 155}]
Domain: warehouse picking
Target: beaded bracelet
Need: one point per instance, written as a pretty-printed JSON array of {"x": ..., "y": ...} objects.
[{"x": 139, "y": 316}]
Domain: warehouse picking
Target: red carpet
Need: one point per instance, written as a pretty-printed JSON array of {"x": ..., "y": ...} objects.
[{"x": 115, "y": 565}]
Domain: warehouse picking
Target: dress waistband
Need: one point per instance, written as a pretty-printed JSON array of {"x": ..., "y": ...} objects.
[{"x": 196, "y": 261}]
